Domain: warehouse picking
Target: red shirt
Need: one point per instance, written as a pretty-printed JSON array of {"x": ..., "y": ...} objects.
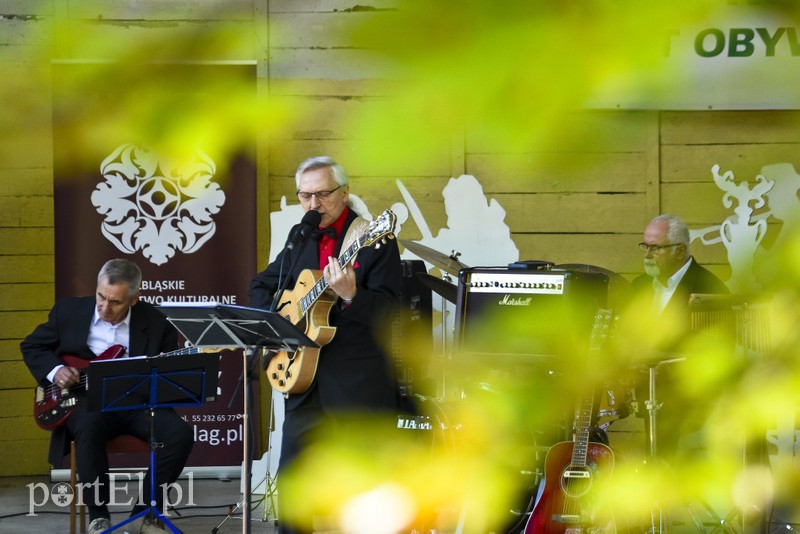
[{"x": 327, "y": 244}]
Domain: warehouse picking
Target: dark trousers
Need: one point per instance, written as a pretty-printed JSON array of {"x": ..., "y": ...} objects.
[
  {"x": 301, "y": 427},
  {"x": 91, "y": 431},
  {"x": 298, "y": 426}
]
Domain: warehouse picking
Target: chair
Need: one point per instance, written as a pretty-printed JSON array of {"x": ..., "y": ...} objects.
[{"x": 124, "y": 444}]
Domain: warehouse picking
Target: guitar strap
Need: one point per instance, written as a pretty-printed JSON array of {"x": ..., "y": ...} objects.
[{"x": 355, "y": 229}]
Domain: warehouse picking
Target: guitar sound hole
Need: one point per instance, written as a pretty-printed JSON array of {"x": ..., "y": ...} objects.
[{"x": 576, "y": 482}]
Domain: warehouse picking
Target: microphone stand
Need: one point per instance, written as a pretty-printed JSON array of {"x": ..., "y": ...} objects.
[
  {"x": 282, "y": 286},
  {"x": 310, "y": 221}
]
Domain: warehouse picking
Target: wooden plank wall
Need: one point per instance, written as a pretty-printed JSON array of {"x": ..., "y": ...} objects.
[
  {"x": 585, "y": 201},
  {"x": 26, "y": 222}
]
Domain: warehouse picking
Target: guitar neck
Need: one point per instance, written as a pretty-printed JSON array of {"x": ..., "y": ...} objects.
[
  {"x": 319, "y": 288},
  {"x": 189, "y": 350},
  {"x": 583, "y": 421},
  {"x": 583, "y": 415}
]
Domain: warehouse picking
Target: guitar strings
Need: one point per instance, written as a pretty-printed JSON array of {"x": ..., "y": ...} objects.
[{"x": 53, "y": 389}]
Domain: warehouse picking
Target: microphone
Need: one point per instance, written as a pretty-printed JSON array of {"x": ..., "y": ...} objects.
[{"x": 309, "y": 223}]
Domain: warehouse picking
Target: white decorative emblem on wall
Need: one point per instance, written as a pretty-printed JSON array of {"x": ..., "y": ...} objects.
[{"x": 156, "y": 206}]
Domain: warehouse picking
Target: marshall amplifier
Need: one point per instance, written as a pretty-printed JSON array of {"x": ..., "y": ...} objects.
[{"x": 526, "y": 312}]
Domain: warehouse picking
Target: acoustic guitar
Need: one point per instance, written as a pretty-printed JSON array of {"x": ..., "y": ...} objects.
[
  {"x": 308, "y": 306},
  {"x": 575, "y": 469}
]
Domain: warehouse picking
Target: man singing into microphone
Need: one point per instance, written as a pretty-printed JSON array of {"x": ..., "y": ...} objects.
[{"x": 354, "y": 374}]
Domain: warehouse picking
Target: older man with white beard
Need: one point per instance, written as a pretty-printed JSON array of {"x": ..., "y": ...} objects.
[
  {"x": 671, "y": 273},
  {"x": 671, "y": 276}
]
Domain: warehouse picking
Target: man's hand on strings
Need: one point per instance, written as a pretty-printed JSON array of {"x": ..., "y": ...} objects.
[
  {"x": 341, "y": 279},
  {"x": 66, "y": 377}
]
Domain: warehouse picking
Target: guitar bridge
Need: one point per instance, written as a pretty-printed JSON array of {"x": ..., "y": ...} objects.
[
  {"x": 576, "y": 474},
  {"x": 570, "y": 519}
]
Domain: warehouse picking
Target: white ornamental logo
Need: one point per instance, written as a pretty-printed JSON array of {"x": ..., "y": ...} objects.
[{"x": 154, "y": 206}]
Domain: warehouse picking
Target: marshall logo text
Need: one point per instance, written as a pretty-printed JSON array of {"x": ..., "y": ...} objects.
[{"x": 508, "y": 300}]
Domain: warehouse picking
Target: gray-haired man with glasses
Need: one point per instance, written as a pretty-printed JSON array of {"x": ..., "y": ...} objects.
[
  {"x": 354, "y": 381},
  {"x": 671, "y": 276},
  {"x": 671, "y": 273}
]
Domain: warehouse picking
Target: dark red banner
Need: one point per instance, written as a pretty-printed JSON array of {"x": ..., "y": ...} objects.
[{"x": 188, "y": 223}]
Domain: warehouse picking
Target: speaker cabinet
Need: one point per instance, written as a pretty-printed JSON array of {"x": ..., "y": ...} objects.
[{"x": 526, "y": 312}]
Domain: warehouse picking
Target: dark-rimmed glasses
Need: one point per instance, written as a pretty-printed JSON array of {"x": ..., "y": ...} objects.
[
  {"x": 655, "y": 249},
  {"x": 321, "y": 195}
]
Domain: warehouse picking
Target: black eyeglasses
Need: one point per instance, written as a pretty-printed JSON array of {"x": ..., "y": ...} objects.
[
  {"x": 321, "y": 195},
  {"x": 655, "y": 249}
]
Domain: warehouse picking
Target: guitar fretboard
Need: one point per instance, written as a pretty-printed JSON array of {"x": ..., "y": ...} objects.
[
  {"x": 188, "y": 350},
  {"x": 583, "y": 420},
  {"x": 583, "y": 415},
  {"x": 319, "y": 288}
]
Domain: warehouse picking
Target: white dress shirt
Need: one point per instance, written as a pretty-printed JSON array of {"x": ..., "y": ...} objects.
[
  {"x": 662, "y": 294},
  {"x": 103, "y": 335}
]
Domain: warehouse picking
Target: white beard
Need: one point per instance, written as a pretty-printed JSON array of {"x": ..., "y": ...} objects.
[{"x": 651, "y": 269}]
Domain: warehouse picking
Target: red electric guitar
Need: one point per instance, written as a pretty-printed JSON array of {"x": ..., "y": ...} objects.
[
  {"x": 52, "y": 405},
  {"x": 573, "y": 469}
]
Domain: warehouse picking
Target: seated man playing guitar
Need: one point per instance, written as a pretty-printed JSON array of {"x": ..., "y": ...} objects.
[
  {"x": 113, "y": 323},
  {"x": 353, "y": 374}
]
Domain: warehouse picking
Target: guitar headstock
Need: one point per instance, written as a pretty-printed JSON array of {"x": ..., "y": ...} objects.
[
  {"x": 380, "y": 229},
  {"x": 604, "y": 322}
]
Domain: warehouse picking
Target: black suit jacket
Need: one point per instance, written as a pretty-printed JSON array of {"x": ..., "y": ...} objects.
[
  {"x": 697, "y": 279},
  {"x": 680, "y": 413},
  {"x": 66, "y": 332},
  {"x": 354, "y": 371}
]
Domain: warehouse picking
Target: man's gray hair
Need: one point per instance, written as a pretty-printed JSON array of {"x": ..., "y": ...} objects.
[
  {"x": 122, "y": 271},
  {"x": 322, "y": 162},
  {"x": 677, "y": 231}
]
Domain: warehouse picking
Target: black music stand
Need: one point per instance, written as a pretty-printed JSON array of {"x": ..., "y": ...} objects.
[
  {"x": 152, "y": 382},
  {"x": 236, "y": 327}
]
